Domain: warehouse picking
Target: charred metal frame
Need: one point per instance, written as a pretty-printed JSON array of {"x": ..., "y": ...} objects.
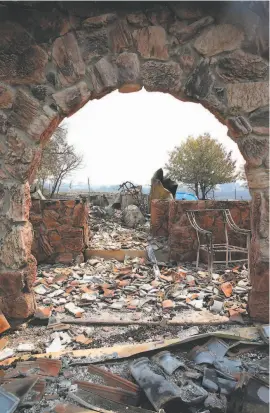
[
  {"x": 210, "y": 247},
  {"x": 133, "y": 190}
]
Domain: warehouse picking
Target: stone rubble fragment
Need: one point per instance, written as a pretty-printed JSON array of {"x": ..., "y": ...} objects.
[
  {"x": 25, "y": 347},
  {"x": 41, "y": 290},
  {"x": 132, "y": 216},
  {"x": 55, "y": 345},
  {"x": 6, "y": 353},
  {"x": 70, "y": 307}
]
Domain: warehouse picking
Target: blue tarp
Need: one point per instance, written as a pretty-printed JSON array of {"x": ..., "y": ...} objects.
[{"x": 185, "y": 196}]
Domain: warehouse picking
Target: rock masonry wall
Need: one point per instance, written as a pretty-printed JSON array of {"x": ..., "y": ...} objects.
[
  {"x": 60, "y": 230},
  {"x": 56, "y": 56},
  {"x": 168, "y": 218}
]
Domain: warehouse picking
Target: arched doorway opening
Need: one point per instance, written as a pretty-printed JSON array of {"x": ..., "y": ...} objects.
[
  {"x": 135, "y": 140},
  {"x": 52, "y": 64}
]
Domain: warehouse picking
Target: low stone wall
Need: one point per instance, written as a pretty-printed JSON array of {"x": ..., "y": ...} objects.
[
  {"x": 168, "y": 218},
  {"x": 60, "y": 230}
]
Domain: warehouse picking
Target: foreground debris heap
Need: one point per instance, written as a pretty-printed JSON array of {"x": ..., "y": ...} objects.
[{"x": 171, "y": 376}]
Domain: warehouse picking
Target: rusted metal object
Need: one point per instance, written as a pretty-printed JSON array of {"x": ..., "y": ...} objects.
[
  {"x": 20, "y": 387},
  {"x": 68, "y": 408},
  {"x": 113, "y": 380},
  {"x": 94, "y": 401},
  {"x": 210, "y": 247},
  {"x": 111, "y": 393},
  {"x": 118, "y": 389},
  {"x": 40, "y": 367},
  {"x": 38, "y": 392}
]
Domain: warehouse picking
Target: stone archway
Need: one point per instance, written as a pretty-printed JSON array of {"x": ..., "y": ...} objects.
[{"x": 55, "y": 57}]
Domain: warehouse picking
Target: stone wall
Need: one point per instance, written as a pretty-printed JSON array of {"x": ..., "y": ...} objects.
[
  {"x": 160, "y": 210},
  {"x": 60, "y": 230},
  {"x": 56, "y": 56},
  {"x": 168, "y": 218}
]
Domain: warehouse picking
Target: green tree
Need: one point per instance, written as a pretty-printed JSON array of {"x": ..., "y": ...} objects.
[
  {"x": 59, "y": 160},
  {"x": 201, "y": 163}
]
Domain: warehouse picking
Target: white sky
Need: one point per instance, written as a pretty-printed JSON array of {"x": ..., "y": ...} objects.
[{"x": 128, "y": 136}]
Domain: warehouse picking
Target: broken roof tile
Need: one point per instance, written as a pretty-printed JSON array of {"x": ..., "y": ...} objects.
[
  {"x": 4, "y": 324},
  {"x": 43, "y": 313},
  {"x": 167, "y": 304},
  {"x": 227, "y": 289},
  {"x": 41, "y": 367}
]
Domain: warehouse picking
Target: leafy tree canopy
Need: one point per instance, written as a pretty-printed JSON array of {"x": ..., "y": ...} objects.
[{"x": 201, "y": 163}]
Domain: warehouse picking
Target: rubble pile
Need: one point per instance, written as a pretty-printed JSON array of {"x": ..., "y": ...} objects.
[
  {"x": 135, "y": 291},
  {"x": 132, "y": 216},
  {"x": 174, "y": 287},
  {"x": 109, "y": 233},
  {"x": 135, "y": 333},
  {"x": 136, "y": 285},
  {"x": 223, "y": 373}
]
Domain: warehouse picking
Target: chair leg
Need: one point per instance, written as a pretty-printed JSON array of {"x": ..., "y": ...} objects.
[
  {"x": 198, "y": 257},
  {"x": 210, "y": 259},
  {"x": 227, "y": 246},
  {"x": 210, "y": 263}
]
